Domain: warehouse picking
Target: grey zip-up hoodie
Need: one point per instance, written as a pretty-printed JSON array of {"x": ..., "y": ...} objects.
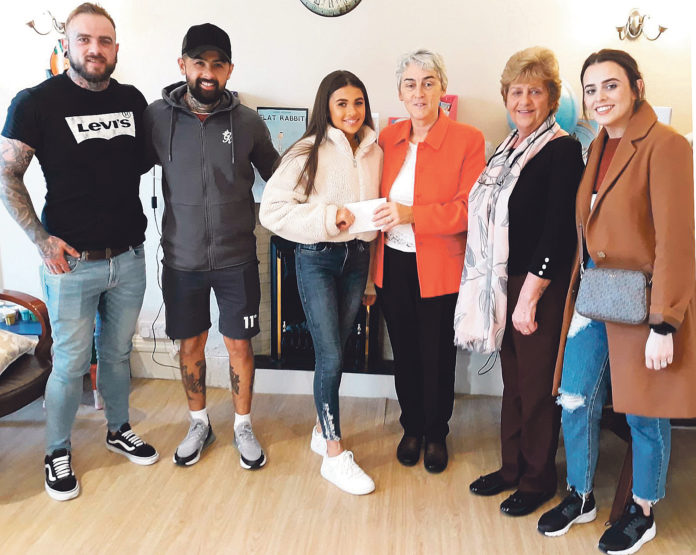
[{"x": 207, "y": 176}]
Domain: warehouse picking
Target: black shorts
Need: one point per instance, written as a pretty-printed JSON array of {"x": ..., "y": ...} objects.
[{"x": 187, "y": 301}]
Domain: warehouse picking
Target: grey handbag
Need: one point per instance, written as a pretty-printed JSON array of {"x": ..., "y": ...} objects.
[{"x": 612, "y": 295}]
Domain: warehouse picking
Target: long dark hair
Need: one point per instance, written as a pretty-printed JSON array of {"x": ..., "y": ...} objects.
[
  {"x": 623, "y": 59},
  {"x": 321, "y": 119}
]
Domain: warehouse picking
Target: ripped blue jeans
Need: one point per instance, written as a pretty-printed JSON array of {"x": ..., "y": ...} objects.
[
  {"x": 584, "y": 386},
  {"x": 331, "y": 280}
]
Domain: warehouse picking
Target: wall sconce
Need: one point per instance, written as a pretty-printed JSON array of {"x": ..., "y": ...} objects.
[
  {"x": 640, "y": 24},
  {"x": 46, "y": 21}
]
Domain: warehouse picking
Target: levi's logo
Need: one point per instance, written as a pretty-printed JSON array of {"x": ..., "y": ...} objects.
[{"x": 101, "y": 126}]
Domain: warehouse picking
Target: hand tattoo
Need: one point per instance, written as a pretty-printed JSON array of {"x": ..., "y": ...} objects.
[{"x": 234, "y": 380}]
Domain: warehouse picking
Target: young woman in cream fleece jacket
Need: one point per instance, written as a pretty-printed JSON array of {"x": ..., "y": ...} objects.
[{"x": 336, "y": 162}]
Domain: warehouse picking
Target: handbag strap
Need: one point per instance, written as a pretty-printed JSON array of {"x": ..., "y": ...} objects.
[{"x": 581, "y": 249}]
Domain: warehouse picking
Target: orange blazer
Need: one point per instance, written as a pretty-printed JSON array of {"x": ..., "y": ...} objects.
[{"x": 448, "y": 164}]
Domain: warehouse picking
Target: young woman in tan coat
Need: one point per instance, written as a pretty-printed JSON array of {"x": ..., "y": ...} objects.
[{"x": 635, "y": 211}]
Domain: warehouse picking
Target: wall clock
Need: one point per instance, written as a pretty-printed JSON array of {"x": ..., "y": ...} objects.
[{"x": 330, "y": 8}]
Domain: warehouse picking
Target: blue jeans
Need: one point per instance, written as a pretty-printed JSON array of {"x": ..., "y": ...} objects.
[
  {"x": 331, "y": 280},
  {"x": 584, "y": 386},
  {"x": 110, "y": 292}
]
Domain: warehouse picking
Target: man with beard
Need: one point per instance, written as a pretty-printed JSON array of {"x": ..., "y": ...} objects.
[
  {"x": 207, "y": 144},
  {"x": 86, "y": 131}
]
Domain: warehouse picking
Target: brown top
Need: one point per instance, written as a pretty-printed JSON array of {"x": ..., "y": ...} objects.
[{"x": 607, "y": 156}]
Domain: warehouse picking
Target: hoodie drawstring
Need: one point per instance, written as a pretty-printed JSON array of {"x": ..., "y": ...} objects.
[
  {"x": 171, "y": 132},
  {"x": 231, "y": 137}
]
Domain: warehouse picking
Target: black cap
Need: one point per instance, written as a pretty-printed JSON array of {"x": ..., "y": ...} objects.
[{"x": 206, "y": 36}]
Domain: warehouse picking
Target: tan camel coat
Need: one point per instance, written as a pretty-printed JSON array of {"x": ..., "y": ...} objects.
[{"x": 643, "y": 219}]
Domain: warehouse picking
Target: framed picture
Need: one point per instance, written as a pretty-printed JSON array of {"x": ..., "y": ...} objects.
[
  {"x": 449, "y": 103},
  {"x": 286, "y": 126}
]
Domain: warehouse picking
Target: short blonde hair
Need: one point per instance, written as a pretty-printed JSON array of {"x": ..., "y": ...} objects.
[
  {"x": 425, "y": 59},
  {"x": 91, "y": 9},
  {"x": 531, "y": 64}
]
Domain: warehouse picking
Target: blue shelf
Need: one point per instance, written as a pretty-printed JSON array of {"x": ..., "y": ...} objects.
[{"x": 22, "y": 328}]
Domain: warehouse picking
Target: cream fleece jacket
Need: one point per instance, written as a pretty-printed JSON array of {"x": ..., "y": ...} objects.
[{"x": 341, "y": 178}]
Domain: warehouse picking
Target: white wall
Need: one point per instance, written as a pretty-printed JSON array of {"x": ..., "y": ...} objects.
[{"x": 281, "y": 51}]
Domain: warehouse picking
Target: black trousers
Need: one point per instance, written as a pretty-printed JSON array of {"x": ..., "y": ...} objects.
[
  {"x": 422, "y": 337},
  {"x": 530, "y": 419}
]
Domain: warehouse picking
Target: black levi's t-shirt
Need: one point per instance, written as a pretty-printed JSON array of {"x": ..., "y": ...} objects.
[{"x": 90, "y": 147}]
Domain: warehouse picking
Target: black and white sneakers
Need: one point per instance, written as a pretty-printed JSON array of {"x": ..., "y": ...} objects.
[
  {"x": 127, "y": 443},
  {"x": 61, "y": 483},
  {"x": 629, "y": 533},
  {"x": 574, "y": 509},
  {"x": 625, "y": 537}
]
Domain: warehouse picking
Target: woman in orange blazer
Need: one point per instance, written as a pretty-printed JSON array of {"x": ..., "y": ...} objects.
[
  {"x": 430, "y": 164},
  {"x": 635, "y": 211}
]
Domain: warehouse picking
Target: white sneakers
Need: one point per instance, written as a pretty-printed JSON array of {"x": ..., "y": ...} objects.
[
  {"x": 344, "y": 473},
  {"x": 318, "y": 443},
  {"x": 342, "y": 470}
]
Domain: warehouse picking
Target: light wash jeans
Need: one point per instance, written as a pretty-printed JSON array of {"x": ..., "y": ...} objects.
[
  {"x": 584, "y": 386},
  {"x": 331, "y": 280},
  {"x": 110, "y": 294}
]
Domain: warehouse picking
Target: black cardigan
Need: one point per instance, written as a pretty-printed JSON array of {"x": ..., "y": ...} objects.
[{"x": 542, "y": 234}]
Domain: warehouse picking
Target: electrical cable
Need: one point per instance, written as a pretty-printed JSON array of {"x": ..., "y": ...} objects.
[{"x": 153, "y": 203}]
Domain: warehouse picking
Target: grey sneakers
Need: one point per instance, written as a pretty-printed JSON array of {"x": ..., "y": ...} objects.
[
  {"x": 251, "y": 456},
  {"x": 199, "y": 436}
]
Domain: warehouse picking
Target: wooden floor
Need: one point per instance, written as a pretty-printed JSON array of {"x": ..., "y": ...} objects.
[{"x": 286, "y": 507}]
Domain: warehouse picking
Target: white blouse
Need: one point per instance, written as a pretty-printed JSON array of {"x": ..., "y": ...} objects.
[{"x": 402, "y": 237}]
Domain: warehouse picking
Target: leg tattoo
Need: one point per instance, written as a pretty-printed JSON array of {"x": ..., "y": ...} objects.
[
  {"x": 194, "y": 380},
  {"x": 234, "y": 380}
]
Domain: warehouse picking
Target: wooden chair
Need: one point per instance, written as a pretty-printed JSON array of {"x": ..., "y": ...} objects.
[{"x": 25, "y": 379}]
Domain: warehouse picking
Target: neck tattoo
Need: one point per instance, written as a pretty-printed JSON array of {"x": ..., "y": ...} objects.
[
  {"x": 199, "y": 107},
  {"x": 89, "y": 85}
]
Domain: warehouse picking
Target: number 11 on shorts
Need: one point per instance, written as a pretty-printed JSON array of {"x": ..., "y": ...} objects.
[{"x": 249, "y": 321}]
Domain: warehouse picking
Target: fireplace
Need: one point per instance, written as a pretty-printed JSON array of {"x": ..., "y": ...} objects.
[{"x": 290, "y": 341}]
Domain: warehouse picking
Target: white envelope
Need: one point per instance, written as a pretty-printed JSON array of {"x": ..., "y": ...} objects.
[{"x": 364, "y": 212}]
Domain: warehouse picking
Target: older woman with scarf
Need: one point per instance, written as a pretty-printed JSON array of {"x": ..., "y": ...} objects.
[{"x": 518, "y": 259}]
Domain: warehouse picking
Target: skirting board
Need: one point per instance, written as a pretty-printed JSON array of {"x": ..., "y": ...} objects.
[
  {"x": 475, "y": 374},
  {"x": 298, "y": 382}
]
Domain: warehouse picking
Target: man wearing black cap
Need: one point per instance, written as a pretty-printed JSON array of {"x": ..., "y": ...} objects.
[{"x": 207, "y": 144}]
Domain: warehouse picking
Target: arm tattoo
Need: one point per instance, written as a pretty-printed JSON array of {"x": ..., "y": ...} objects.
[
  {"x": 234, "y": 380},
  {"x": 14, "y": 160},
  {"x": 194, "y": 380}
]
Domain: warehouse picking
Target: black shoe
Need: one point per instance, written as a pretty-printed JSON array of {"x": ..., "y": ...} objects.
[
  {"x": 435, "y": 457},
  {"x": 127, "y": 443},
  {"x": 408, "y": 451},
  {"x": 522, "y": 503},
  {"x": 490, "y": 484},
  {"x": 61, "y": 483},
  {"x": 572, "y": 510},
  {"x": 630, "y": 532}
]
